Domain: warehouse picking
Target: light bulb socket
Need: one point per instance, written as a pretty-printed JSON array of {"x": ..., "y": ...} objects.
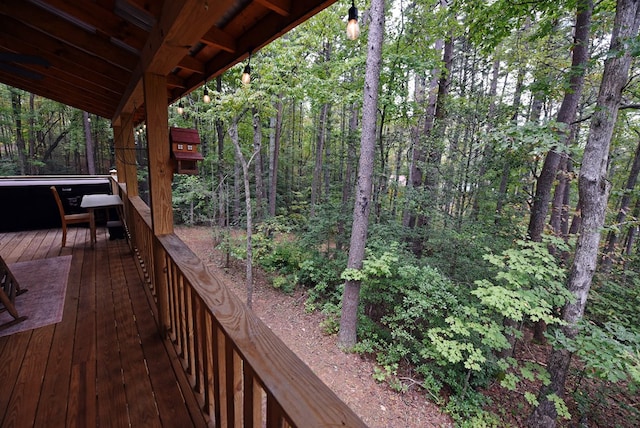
[{"x": 353, "y": 13}]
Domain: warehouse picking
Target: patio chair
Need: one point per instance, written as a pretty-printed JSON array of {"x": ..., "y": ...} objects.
[
  {"x": 68, "y": 218},
  {"x": 9, "y": 289}
]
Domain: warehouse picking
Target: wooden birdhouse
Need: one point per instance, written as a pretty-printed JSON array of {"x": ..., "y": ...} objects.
[{"x": 184, "y": 150}]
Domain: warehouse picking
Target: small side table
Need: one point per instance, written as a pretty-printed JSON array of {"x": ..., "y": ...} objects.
[{"x": 100, "y": 201}]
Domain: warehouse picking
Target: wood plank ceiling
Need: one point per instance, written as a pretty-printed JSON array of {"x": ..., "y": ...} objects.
[{"x": 92, "y": 54}]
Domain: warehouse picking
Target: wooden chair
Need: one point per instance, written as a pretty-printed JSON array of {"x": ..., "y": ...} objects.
[
  {"x": 9, "y": 289},
  {"x": 68, "y": 218}
]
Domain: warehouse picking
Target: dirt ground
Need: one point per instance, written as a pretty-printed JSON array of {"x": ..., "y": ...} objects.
[{"x": 349, "y": 375}]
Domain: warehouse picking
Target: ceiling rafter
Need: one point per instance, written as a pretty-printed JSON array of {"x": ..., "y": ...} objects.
[
  {"x": 101, "y": 19},
  {"x": 281, "y": 7},
  {"x": 218, "y": 38}
]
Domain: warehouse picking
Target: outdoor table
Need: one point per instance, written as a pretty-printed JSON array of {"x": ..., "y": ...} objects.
[{"x": 100, "y": 201}]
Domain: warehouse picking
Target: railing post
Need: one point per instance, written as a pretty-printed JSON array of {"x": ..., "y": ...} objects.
[{"x": 161, "y": 275}]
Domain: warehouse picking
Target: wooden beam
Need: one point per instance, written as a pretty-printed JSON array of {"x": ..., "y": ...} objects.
[
  {"x": 61, "y": 55},
  {"x": 220, "y": 39},
  {"x": 103, "y": 20},
  {"x": 66, "y": 32},
  {"x": 192, "y": 64},
  {"x": 281, "y": 7},
  {"x": 181, "y": 25},
  {"x": 160, "y": 166}
]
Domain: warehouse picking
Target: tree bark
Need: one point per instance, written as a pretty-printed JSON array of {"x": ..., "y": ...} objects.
[
  {"x": 274, "y": 152},
  {"x": 33, "y": 169},
  {"x": 257, "y": 153},
  {"x": 350, "y": 299},
  {"x": 349, "y": 175},
  {"x": 16, "y": 104},
  {"x": 316, "y": 184},
  {"x": 625, "y": 202},
  {"x": 233, "y": 133},
  {"x": 566, "y": 116},
  {"x": 222, "y": 196},
  {"x": 594, "y": 192},
  {"x": 91, "y": 162}
]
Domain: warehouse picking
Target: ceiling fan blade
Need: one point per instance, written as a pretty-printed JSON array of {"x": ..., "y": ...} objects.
[
  {"x": 27, "y": 59},
  {"x": 23, "y": 72}
]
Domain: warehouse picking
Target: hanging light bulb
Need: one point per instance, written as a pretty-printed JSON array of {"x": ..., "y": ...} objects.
[
  {"x": 246, "y": 73},
  {"x": 353, "y": 29},
  {"x": 180, "y": 108},
  {"x": 206, "y": 98}
]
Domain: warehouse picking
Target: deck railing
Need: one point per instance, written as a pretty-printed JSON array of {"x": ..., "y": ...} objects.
[{"x": 242, "y": 374}]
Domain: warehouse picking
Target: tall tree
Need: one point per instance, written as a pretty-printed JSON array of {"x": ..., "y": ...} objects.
[
  {"x": 257, "y": 144},
  {"x": 347, "y": 336},
  {"x": 593, "y": 187},
  {"x": 625, "y": 202},
  {"x": 233, "y": 134},
  {"x": 566, "y": 116},
  {"x": 223, "y": 199},
  {"x": 274, "y": 153},
  {"x": 88, "y": 137},
  {"x": 16, "y": 104}
]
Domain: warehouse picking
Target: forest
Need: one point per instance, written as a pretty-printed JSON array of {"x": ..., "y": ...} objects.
[{"x": 451, "y": 188}]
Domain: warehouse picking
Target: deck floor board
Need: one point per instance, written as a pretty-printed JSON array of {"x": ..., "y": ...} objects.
[{"x": 105, "y": 363}]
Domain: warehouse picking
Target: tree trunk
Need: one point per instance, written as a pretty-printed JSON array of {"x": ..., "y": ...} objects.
[
  {"x": 91, "y": 162},
  {"x": 16, "y": 104},
  {"x": 33, "y": 169},
  {"x": 594, "y": 192},
  {"x": 316, "y": 184},
  {"x": 237, "y": 169},
  {"x": 631, "y": 237},
  {"x": 612, "y": 236},
  {"x": 233, "y": 133},
  {"x": 257, "y": 153},
  {"x": 558, "y": 207},
  {"x": 274, "y": 152},
  {"x": 566, "y": 116},
  {"x": 349, "y": 175},
  {"x": 222, "y": 196},
  {"x": 350, "y": 299},
  {"x": 419, "y": 136},
  {"x": 487, "y": 153}
]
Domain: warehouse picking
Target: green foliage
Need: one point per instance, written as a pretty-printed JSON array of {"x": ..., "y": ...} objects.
[
  {"x": 608, "y": 352},
  {"x": 529, "y": 284},
  {"x": 616, "y": 298},
  {"x": 460, "y": 254},
  {"x": 191, "y": 199}
]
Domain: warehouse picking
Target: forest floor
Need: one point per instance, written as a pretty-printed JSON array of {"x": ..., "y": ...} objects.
[{"x": 351, "y": 376}]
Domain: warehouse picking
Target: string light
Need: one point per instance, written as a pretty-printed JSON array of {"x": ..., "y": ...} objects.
[
  {"x": 206, "y": 98},
  {"x": 246, "y": 73},
  {"x": 180, "y": 108},
  {"x": 353, "y": 29}
]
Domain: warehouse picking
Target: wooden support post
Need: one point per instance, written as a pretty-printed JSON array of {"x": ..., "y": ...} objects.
[
  {"x": 160, "y": 166},
  {"x": 160, "y": 177}
]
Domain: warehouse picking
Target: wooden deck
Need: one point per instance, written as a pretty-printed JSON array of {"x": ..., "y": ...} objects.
[{"x": 105, "y": 364}]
